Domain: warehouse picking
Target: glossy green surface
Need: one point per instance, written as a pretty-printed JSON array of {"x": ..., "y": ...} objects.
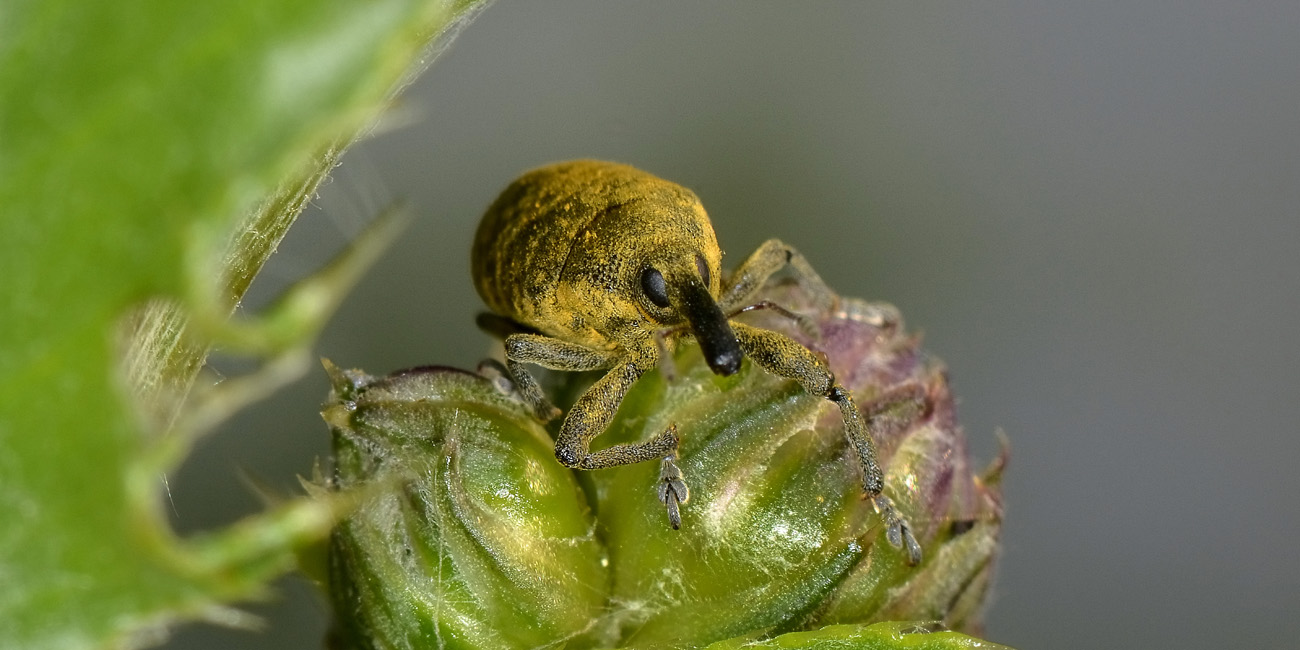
[
  {"x": 881, "y": 636},
  {"x": 774, "y": 522},
  {"x": 477, "y": 538}
]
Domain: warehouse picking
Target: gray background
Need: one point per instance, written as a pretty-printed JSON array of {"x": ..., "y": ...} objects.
[{"x": 1089, "y": 208}]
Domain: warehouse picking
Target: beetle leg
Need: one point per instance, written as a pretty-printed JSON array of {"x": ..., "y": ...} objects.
[
  {"x": 500, "y": 326},
  {"x": 591, "y": 415},
  {"x": 497, "y": 373},
  {"x": 784, "y": 357},
  {"x": 550, "y": 353},
  {"x": 772, "y": 256},
  {"x": 897, "y": 530},
  {"x": 805, "y": 324},
  {"x": 672, "y": 489},
  {"x": 667, "y": 367}
]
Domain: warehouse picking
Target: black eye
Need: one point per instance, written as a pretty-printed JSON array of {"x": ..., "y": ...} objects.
[
  {"x": 703, "y": 268},
  {"x": 652, "y": 283}
]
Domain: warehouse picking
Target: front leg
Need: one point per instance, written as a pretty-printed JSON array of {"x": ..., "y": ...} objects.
[
  {"x": 590, "y": 417},
  {"x": 550, "y": 353},
  {"x": 784, "y": 357},
  {"x": 773, "y": 255}
]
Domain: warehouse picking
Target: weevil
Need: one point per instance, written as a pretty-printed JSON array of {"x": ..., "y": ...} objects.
[{"x": 602, "y": 266}]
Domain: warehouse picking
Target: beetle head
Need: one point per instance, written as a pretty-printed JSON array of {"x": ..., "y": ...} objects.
[
  {"x": 678, "y": 276},
  {"x": 646, "y": 259}
]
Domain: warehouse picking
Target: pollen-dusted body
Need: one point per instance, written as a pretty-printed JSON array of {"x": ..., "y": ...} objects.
[
  {"x": 611, "y": 266},
  {"x": 558, "y": 250}
]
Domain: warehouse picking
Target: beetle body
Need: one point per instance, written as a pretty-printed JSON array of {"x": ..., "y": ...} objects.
[
  {"x": 605, "y": 267},
  {"x": 562, "y": 249}
]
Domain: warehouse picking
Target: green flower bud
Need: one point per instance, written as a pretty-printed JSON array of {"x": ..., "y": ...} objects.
[
  {"x": 775, "y": 539},
  {"x": 474, "y": 536}
]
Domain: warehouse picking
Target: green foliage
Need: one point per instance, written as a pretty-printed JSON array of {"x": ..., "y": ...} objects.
[{"x": 152, "y": 154}]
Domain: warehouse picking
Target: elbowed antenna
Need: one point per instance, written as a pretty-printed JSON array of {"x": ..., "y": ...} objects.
[{"x": 710, "y": 327}]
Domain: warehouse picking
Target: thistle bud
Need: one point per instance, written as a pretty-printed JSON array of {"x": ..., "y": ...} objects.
[
  {"x": 479, "y": 536},
  {"x": 776, "y": 535},
  {"x": 472, "y": 535}
]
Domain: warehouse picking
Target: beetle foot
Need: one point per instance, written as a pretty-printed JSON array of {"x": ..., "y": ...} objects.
[
  {"x": 546, "y": 412},
  {"x": 497, "y": 373},
  {"x": 672, "y": 490},
  {"x": 667, "y": 367},
  {"x": 897, "y": 530}
]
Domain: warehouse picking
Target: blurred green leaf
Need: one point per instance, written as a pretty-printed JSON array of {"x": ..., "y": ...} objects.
[{"x": 151, "y": 155}]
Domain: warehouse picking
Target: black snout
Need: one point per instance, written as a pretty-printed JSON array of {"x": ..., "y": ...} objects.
[{"x": 709, "y": 325}]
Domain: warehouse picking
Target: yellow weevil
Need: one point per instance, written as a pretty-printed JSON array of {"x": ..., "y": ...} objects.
[{"x": 604, "y": 266}]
